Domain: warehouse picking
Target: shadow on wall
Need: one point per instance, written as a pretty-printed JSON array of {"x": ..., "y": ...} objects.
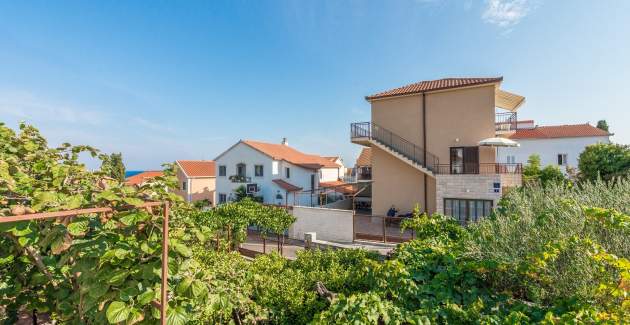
[{"x": 206, "y": 194}]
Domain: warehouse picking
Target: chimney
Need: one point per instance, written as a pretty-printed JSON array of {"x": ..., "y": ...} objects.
[{"x": 285, "y": 142}]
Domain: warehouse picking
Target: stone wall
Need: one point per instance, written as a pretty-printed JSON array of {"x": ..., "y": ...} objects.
[{"x": 473, "y": 186}]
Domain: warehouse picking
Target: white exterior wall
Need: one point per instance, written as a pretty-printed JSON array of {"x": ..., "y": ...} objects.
[
  {"x": 548, "y": 149},
  {"x": 328, "y": 224},
  {"x": 242, "y": 153},
  {"x": 330, "y": 174}
]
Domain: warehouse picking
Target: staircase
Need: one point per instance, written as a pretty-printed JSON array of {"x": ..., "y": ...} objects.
[{"x": 371, "y": 134}]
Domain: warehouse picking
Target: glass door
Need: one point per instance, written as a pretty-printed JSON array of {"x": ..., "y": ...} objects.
[{"x": 457, "y": 160}]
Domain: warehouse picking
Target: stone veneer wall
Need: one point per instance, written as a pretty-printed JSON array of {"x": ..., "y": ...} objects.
[{"x": 473, "y": 186}]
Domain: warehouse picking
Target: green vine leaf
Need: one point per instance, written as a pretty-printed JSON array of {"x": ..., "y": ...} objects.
[
  {"x": 78, "y": 226},
  {"x": 117, "y": 312}
]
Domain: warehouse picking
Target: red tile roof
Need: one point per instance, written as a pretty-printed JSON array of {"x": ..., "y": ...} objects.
[
  {"x": 433, "y": 85},
  {"x": 338, "y": 186},
  {"x": 284, "y": 152},
  {"x": 286, "y": 186},
  {"x": 197, "y": 168},
  {"x": 365, "y": 158},
  {"x": 140, "y": 178},
  {"x": 559, "y": 131}
]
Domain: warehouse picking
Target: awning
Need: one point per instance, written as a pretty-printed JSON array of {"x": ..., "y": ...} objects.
[
  {"x": 498, "y": 142},
  {"x": 507, "y": 100},
  {"x": 286, "y": 186}
]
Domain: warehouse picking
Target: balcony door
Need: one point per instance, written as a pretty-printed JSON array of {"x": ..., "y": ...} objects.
[{"x": 464, "y": 160}]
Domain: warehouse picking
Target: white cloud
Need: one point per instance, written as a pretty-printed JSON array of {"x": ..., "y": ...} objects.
[
  {"x": 506, "y": 13},
  {"x": 27, "y": 106},
  {"x": 155, "y": 126}
]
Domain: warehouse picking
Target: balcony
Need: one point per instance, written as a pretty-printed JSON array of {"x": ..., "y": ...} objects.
[
  {"x": 481, "y": 168},
  {"x": 240, "y": 179},
  {"x": 505, "y": 122}
]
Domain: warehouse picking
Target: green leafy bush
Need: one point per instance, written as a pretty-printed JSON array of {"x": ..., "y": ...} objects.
[
  {"x": 605, "y": 160},
  {"x": 91, "y": 268}
]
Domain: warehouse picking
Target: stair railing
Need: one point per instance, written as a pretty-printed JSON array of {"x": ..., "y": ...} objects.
[{"x": 395, "y": 142}]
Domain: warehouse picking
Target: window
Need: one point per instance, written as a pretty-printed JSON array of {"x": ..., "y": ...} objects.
[
  {"x": 222, "y": 170},
  {"x": 184, "y": 186},
  {"x": 274, "y": 168},
  {"x": 465, "y": 210},
  {"x": 313, "y": 182},
  {"x": 240, "y": 169},
  {"x": 287, "y": 172},
  {"x": 562, "y": 159},
  {"x": 258, "y": 170},
  {"x": 511, "y": 159},
  {"x": 222, "y": 198},
  {"x": 464, "y": 160}
]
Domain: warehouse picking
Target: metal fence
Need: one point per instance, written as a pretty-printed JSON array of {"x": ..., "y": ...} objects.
[{"x": 380, "y": 228}]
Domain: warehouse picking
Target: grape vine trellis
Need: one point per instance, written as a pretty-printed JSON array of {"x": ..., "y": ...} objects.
[
  {"x": 75, "y": 213},
  {"x": 93, "y": 269}
]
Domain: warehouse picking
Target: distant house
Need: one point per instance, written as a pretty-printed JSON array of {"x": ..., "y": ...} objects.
[
  {"x": 559, "y": 145},
  {"x": 140, "y": 178},
  {"x": 277, "y": 173},
  {"x": 197, "y": 179},
  {"x": 363, "y": 166}
]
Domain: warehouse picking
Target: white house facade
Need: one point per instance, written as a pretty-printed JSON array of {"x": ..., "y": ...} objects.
[
  {"x": 559, "y": 145},
  {"x": 276, "y": 172}
]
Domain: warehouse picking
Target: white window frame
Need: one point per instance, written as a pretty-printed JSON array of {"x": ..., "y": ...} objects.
[{"x": 564, "y": 157}]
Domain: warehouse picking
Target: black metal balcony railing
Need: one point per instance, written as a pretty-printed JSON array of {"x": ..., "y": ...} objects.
[
  {"x": 395, "y": 142},
  {"x": 480, "y": 168},
  {"x": 507, "y": 121},
  {"x": 240, "y": 179}
]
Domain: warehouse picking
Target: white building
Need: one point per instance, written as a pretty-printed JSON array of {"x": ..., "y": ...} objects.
[
  {"x": 275, "y": 172},
  {"x": 559, "y": 145}
]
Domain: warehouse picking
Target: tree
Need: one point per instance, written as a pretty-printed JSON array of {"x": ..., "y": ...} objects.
[
  {"x": 531, "y": 171},
  {"x": 551, "y": 174},
  {"x": 113, "y": 166},
  {"x": 605, "y": 160},
  {"x": 602, "y": 124}
]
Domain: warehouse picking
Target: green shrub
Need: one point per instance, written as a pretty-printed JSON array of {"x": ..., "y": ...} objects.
[{"x": 605, "y": 160}]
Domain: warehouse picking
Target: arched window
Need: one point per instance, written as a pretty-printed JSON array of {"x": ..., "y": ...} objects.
[{"x": 240, "y": 169}]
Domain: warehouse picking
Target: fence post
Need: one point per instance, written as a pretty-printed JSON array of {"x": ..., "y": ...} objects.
[
  {"x": 384, "y": 233},
  {"x": 164, "y": 300},
  {"x": 354, "y": 221},
  {"x": 264, "y": 244}
]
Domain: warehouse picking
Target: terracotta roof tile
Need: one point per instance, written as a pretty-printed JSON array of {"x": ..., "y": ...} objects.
[
  {"x": 140, "y": 178},
  {"x": 198, "y": 168},
  {"x": 559, "y": 131},
  {"x": 433, "y": 85},
  {"x": 338, "y": 186},
  {"x": 365, "y": 158},
  {"x": 286, "y": 186},
  {"x": 284, "y": 152}
]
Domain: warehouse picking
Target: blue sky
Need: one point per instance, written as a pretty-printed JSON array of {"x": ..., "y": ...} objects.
[{"x": 165, "y": 80}]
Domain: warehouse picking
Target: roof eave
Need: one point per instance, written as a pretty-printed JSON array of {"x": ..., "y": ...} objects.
[{"x": 497, "y": 82}]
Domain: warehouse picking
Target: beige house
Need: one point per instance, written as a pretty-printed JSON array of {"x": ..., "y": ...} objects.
[
  {"x": 424, "y": 141},
  {"x": 197, "y": 180}
]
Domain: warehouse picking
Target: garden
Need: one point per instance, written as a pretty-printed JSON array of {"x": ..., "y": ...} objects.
[{"x": 551, "y": 253}]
